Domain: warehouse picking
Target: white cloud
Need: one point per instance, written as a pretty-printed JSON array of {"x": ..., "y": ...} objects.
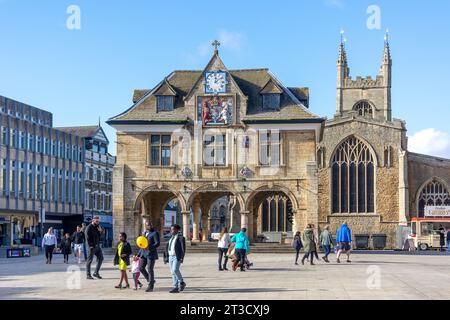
[{"x": 430, "y": 141}]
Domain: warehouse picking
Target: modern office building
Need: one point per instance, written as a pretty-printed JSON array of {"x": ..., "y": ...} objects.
[
  {"x": 41, "y": 167},
  {"x": 98, "y": 176}
]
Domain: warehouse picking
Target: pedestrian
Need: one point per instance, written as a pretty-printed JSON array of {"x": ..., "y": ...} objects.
[
  {"x": 297, "y": 245},
  {"x": 309, "y": 244},
  {"x": 174, "y": 255},
  {"x": 83, "y": 229},
  {"x": 49, "y": 242},
  {"x": 66, "y": 247},
  {"x": 122, "y": 258},
  {"x": 93, "y": 233},
  {"x": 222, "y": 247},
  {"x": 448, "y": 240},
  {"x": 441, "y": 237},
  {"x": 326, "y": 241},
  {"x": 78, "y": 239},
  {"x": 241, "y": 248},
  {"x": 344, "y": 240},
  {"x": 136, "y": 270},
  {"x": 149, "y": 255}
]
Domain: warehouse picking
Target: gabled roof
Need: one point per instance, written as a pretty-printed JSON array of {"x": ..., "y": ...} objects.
[
  {"x": 271, "y": 87},
  {"x": 165, "y": 89},
  {"x": 84, "y": 131},
  {"x": 249, "y": 83}
]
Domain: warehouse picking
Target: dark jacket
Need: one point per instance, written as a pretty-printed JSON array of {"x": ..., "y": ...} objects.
[
  {"x": 65, "y": 246},
  {"x": 125, "y": 254},
  {"x": 78, "y": 237},
  {"x": 297, "y": 243},
  {"x": 180, "y": 249},
  {"x": 93, "y": 235},
  {"x": 153, "y": 244}
]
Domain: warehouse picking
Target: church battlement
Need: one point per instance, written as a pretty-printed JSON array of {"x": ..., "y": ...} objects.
[{"x": 367, "y": 82}]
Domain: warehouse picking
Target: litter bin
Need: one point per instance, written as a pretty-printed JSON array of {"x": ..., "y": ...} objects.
[
  {"x": 362, "y": 241},
  {"x": 379, "y": 241}
]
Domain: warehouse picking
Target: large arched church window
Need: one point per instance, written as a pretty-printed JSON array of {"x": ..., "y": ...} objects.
[
  {"x": 364, "y": 109},
  {"x": 434, "y": 193},
  {"x": 352, "y": 176}
]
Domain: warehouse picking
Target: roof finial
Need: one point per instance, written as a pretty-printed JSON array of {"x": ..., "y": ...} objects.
[
  {"x": 342, "y": 55},
  {"x": 342, "y": 37},
  {"x": 216, "y": 45},
  {"x": 386, "y": 37}
]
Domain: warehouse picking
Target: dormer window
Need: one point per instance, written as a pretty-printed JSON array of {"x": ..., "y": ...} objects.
[
  {"x": 271, "y": 96},
  {"x": 164, "y": 103},
  {"x": 271, "y": 101}
]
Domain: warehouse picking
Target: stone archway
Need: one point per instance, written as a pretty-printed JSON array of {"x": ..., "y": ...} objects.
[
  {"x": 271, "y": 212},
  {"x": 150, "y": 205},
  {"x": 201, "y": 200}
]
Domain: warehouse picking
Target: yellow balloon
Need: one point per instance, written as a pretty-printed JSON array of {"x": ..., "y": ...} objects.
[{"x": 142, "y": 242}]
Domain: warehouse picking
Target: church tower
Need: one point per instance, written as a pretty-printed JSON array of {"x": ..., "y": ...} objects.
[{"x": 365, "y": 97}]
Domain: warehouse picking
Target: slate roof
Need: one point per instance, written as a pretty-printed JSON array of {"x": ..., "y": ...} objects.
[
  {"x": 293, "y": 102},
  {"x": 81, "y": 131}
]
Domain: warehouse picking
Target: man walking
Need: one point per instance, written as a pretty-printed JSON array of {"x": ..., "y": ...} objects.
[
  {"x": 344, "y": 239},
  {"x": 78, "y": 239},
  {"x": 149, "y": 255},
  {"x": 174, "y": 255},
  {"x": 83, "y": 229},
  {"x": 93, "y": 233},
  {"x": 326, "y": 241}
]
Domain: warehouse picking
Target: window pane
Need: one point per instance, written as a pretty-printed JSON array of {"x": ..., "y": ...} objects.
[
  {"x": 165, "y": 156},
  {"x": 335, "y": 190},
  {"x": 352, "y": 187},
  {"x": 265, "y": 217},
  {"x": 273, "y": 216},
  {"x": 344, "y": 186},
  {"x": 281, "y": 215},
  {"x": 370, "y": 188},
  {"x": 361, "y": 188},
  {"x": 155, "y": 139},
  {"x": 166, "y": 139},
  {"x": 154, "y": 156}
]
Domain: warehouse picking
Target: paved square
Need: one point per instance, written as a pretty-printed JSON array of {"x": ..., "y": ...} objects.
[{"x": 274, "y": 276}]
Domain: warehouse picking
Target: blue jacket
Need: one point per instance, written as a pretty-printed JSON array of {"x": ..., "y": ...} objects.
[
  {"x": 344, "y": 234},
  {"x": 241, "y": 241}
]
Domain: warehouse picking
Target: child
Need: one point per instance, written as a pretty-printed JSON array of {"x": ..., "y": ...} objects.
[
  {"x": 122, "y": 258},
  {"x": 135, "y": 269},
  {"x": 65, "y": 247}
]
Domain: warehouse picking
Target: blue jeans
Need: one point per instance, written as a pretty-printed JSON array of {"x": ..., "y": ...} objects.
[
  {"x": 448, "y": 246},
  {"x": 327, "y": 249},
  {"x": 177, "y": 278},
  {"x": 84, "y": 251}
]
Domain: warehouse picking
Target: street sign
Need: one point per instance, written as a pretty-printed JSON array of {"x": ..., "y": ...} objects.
[{"x": 437, "y": 211}]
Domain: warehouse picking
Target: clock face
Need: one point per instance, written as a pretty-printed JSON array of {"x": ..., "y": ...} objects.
[{"x": 215, "y": 82}]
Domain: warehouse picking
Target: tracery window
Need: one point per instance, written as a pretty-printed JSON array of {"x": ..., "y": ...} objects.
[
  {"x": 364, "y": 109},
  {"x": 276, "y": 210},
  {"x": 433, "y": 194},
  {"x": 352, "y": 175}
]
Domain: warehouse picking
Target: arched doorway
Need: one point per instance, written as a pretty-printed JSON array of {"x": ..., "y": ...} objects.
[{"x": 271, "y": 213}]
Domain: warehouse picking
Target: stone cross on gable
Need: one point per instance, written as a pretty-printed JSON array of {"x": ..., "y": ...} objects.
[{"x": 216, "y": 45}]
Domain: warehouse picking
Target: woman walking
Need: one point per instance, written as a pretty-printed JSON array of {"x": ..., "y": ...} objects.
[
  {"x": 49, "y": 242},
  {"x": 326, "y": 240},
  {"x": 309, "y": 243},
  {"x": 222, "y": 247},
  {"x": 242, "y": 248},
  {"x": 297, "y": 245},
  {"x": 66, "y": 247},
  {"x": 122, "y": 258}
]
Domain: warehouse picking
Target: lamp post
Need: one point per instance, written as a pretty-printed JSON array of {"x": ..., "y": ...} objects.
[{"x": 41, "y": 209}]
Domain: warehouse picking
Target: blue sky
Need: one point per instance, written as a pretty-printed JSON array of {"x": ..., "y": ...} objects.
[{"x": 81, "y": 75}]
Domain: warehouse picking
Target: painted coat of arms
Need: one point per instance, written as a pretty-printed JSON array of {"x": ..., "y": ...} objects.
[{"x": 215, "y": 110}]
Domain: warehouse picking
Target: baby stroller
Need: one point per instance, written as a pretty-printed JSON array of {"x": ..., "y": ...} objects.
[{"x": 231, "y": 253}]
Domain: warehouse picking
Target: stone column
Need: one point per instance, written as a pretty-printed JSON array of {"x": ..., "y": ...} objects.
[
  {"x": 205, "y": 228},
  {"x": 251, "y": 227},
  {"x": 244, "y": 220},
  {"x": 186, "y": 225},
  {"x": 196, "y": 221},
  {"x": 312, "y": 193},
  {"x": 403, "y": 205}
]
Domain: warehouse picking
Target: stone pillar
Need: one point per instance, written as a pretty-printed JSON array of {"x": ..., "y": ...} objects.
[
  {"x": 205, "y": 228},
  {"x": 119, "y": 211},
  {"x": 312, "y": 193},
  {"x": 403, "y": 205},
  {"x": 251, "y": 226},
  {"x": 186, "y": 225},
  {"x": 196, "y": 221},
  {"x": 244, "y": 220}
]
